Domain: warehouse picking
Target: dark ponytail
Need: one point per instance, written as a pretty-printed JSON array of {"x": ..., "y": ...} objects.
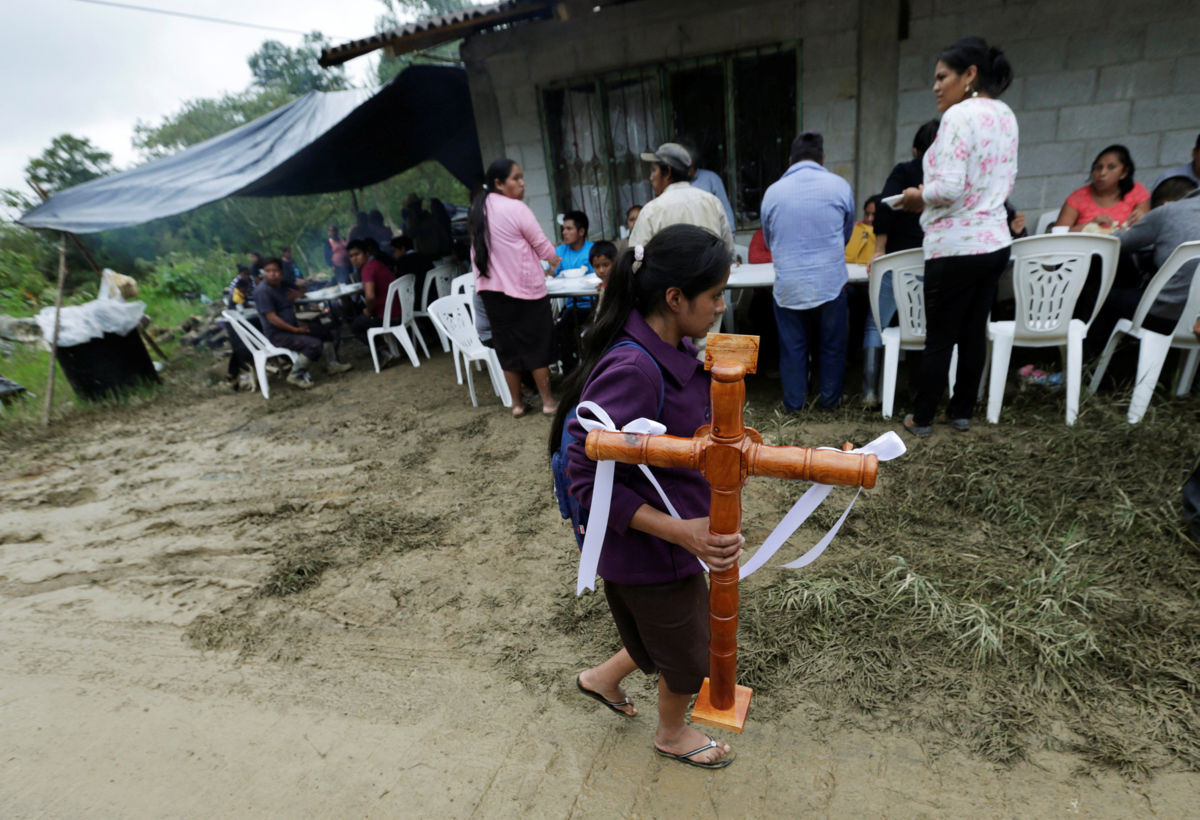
[
  {"x": 682, "y": 256},
  {"x": 995, "y": 72},
  {"x": 477, "y": 215}
]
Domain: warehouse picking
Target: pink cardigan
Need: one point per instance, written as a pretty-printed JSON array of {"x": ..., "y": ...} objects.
[{"x": 516, "y": 245}]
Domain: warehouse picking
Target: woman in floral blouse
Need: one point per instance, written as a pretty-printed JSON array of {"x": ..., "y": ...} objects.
[{"x": 969, "y": 173}]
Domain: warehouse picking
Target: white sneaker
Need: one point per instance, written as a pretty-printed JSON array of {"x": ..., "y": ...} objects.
[{"x": 301, "y": 380}]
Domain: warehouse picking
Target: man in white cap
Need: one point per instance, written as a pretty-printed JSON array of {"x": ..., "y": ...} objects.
[{"x": 676, "y": 201}]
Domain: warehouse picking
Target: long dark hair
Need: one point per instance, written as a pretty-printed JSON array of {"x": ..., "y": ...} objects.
[
  {"x": 925, "y": 136},
  {"x": 995, "y": 72},
  {"x": 477, "y": 216},
  {"x": 1125, "y": 184},
  {"x": 680, "y": 256}
]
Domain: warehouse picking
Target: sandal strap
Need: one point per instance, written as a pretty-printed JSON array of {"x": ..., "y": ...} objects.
[{"x": 712, "y": 744}]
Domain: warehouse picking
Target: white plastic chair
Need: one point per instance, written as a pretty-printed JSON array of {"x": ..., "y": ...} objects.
[
  {"x": 734, "y": 296},
  {"x": 462, "y": 284},
  {"x": 1153, "y": 348},
  {"x": 438, "y": 278},
  {"x": 260, "y": 349},
  {"x": 908, "y": 284},
  {"x": 907, "y": 269},
  {"x": 452, "y": 316},
  {"x": 1048, "y": 274},
  {"x": 1045, "y": 221},
  {"x": 402, "y": 289}
]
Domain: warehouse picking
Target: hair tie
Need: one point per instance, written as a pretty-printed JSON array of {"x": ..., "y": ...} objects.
[{"x": 639, "y": 253}]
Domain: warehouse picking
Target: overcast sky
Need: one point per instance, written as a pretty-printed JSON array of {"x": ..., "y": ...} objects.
[{"x": 94, "y": 71}]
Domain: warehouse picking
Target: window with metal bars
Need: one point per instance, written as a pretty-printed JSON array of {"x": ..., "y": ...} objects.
[{"x": 741, "y": 109}]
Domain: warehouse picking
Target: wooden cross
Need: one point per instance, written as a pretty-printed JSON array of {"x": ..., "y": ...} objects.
[{"x": 725, "y": 453}]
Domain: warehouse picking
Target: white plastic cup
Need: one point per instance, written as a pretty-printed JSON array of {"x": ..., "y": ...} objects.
[{"x": 1060, "y": 229}]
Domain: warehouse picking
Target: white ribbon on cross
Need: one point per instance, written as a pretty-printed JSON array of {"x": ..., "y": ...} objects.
[
  {"x": 886, "y": 447},
  {"x": 602, "y": 485}
]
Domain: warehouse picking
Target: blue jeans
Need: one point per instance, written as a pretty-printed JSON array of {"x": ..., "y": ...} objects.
[
  {"x": 887, "y": 309},
  {"x": 824, "y": 326}
]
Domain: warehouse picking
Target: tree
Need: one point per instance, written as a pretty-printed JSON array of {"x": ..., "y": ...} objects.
[
  {"x": 202, "y": 119},
  {"x": 296, "y": 70},
  {"x": 69, "y": 161}
]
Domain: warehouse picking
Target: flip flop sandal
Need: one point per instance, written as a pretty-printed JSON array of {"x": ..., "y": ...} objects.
[
  {"x": 615, "y": 705},
  {"x": 922, "y": 431},
  {"x": 719, "y": 763}
]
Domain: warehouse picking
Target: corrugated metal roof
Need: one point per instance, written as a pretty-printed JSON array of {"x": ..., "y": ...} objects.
[{"x": 432, "y": 31}]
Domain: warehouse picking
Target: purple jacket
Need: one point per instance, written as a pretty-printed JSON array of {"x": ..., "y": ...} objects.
[{"x": 626, "y": 384}]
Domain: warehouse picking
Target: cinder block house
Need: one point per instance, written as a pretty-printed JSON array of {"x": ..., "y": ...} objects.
[{"x": 575, "y": 90}]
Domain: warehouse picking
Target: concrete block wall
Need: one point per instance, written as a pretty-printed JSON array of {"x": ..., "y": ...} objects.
[
  {"x": 517, "y": 61},
  {"x": 1089, "y": 73}
]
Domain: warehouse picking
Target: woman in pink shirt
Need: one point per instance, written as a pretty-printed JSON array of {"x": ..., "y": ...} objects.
[
  {"x": 1111, "y": 198},
  {"x": 507, "y": 249}
]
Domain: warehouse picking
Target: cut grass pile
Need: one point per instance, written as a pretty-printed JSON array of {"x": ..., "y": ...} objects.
[{"x": 1023, "y": 586}]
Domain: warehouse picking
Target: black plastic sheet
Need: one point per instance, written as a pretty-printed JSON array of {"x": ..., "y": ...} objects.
[{"x": 324, "y": 141}]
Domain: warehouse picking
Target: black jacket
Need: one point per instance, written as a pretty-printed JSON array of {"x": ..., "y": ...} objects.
[{"x": 903, "y": 229}]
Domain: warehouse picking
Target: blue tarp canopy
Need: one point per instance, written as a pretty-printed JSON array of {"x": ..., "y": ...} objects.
[{"x": 322, "y": 142}]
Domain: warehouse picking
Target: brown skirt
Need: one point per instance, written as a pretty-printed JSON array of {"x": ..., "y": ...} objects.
[
  {"x": 522, "y": 330},
  {"x": 665, "y": 628}
]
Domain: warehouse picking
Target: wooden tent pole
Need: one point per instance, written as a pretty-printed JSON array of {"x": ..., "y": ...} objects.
[
  {"x": 40, "y": 191},
  {"x": 58, "y": 296}
]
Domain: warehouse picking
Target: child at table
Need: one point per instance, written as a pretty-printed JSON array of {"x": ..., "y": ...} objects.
[
  {"x": 602, "y": 258},
  {"x": 653, "y": 583}
]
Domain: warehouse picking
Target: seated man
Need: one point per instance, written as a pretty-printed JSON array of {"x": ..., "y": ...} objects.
[
  {"x": 376, "y": 279},
  {"x": 1191, "y": 169},
  {"x": 405, "y": 260},
  {"x": 292, "y": 280},
  {"x": 279, "y": 324},
  {"x": 575, "y": 251},
  {"x": 255, "y": 263},
  {"x": 575, "y": 247},
  {"x": 1164, "y": 228}
]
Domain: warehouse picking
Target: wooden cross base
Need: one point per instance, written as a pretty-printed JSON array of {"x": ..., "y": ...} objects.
[{"x": 732, "y": 719}]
